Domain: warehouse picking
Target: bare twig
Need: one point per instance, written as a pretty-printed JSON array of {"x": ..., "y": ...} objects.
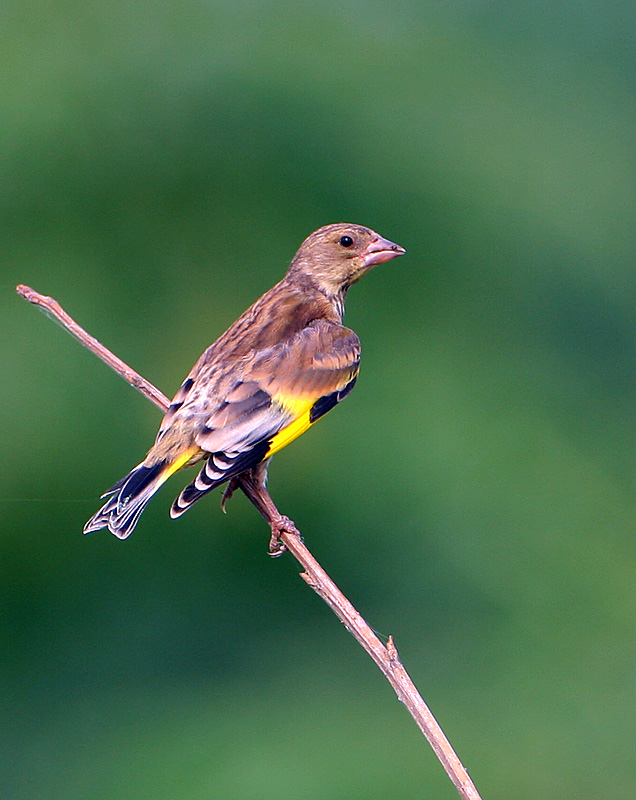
[
  {"x": 314, "y": 575},
  {"x": 53, "y": 308}
]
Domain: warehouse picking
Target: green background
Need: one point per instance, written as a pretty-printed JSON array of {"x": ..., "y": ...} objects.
[{"x": 159, "y": 165}]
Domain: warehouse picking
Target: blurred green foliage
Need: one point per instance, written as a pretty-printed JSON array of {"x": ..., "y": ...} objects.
[{"x": 474, "y": 497}]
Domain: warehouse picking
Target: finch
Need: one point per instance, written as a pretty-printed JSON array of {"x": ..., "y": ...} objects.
[{"x": 280, "y": 367}]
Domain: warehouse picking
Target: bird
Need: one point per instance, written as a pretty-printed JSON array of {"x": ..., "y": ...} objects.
[{"x": 280, "y": 367}]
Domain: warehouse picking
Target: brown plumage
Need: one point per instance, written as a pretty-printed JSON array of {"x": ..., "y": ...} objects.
[{"x": 283, "y": 364}]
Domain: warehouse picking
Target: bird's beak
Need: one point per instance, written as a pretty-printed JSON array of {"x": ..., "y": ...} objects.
[{"x": 380, "y": 250}]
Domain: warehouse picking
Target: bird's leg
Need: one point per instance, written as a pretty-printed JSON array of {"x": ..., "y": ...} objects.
[
  {"x": 252, "y": 483},
  {"x": 231, "y": 487},
  {"x": 280, "y": 525}
]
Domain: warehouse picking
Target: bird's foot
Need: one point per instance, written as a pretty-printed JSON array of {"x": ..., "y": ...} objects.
[
  {"x": 229, "y": 491},
  {"x": 278, "y": 526}
]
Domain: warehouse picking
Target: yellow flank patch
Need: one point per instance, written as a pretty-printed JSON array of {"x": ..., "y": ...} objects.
[
  {"x": 300, "y": 407},
  {"x": 288, "y": 434},
  {"x": 295, "y": 405}
]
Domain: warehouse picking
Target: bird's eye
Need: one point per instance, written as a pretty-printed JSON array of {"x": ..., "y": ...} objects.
[{"x": 346, "y": 241}]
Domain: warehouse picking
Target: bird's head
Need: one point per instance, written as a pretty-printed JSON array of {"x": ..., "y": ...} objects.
[{"x": 336, "y": 256}]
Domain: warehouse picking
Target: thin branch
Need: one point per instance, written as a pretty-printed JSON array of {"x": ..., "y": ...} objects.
[
  {"x": 314, "y": 575},
  {"x": 54, "y": 309}
]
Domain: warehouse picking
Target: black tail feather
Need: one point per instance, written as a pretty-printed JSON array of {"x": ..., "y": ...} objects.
[{"x": 127, "y": 499}]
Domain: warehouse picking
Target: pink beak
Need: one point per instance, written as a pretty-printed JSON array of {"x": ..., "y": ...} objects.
[{"x": 380, "y": 250}]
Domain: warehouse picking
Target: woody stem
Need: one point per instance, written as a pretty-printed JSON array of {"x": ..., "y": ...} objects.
[{"x": 386, "y": 657}]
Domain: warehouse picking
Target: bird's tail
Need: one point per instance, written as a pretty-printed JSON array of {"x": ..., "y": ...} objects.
[{"x": 129, "y": 496}]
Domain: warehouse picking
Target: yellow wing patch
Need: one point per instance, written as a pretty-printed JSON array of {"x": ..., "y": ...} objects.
[{"x": 300, "y": 408}]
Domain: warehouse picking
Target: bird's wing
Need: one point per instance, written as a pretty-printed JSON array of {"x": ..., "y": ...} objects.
[
  {"x": 284, "y": 389},
  {"x": 275, "y": 396}
]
